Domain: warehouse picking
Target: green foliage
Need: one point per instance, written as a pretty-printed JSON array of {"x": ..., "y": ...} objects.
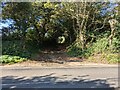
[
  {"x": 11, "y": 59},
  {"x": 16, "y": 51},
  {"x": 74, "y": 51},
  {"x": 115, "y": 47},
  {"x": 100, "y": 45},
  {"x": 110, "y": 58},
  {"x": 14, "y": 48},
  {"x": 31, "y": 39},
  {"x": 113, "y": 58},
  {"x": 78, "y": 52}
]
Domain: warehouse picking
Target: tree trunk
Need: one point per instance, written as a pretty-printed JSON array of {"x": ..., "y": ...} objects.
[
  {"x": 82, "y": 18},
  {"x": 113, "y": 23}
]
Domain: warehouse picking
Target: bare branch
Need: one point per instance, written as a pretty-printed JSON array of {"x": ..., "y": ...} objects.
[{"x": 102, "y": 25}]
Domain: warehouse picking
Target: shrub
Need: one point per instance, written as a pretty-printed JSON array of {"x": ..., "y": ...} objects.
[
  {"x": 74, "y": 51},
  {"x": 112, "y": 58},
  {"x": 115, "y": 47},
  {"x": 78, "y": 52},
  {"x": 105, "y": 58},
  {"x": 100, "y": 45},
  {"x": 14, "y": 48},
  {"x": 11, "y": 59}
]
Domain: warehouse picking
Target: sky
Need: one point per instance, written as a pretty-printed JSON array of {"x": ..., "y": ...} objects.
[{"x": 7, "y": 23}]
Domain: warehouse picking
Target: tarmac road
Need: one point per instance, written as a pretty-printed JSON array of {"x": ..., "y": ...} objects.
[{"x": 77, "y": 77}]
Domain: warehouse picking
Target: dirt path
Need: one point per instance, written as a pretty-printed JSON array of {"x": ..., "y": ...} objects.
[{"x": 56, "y": 57}]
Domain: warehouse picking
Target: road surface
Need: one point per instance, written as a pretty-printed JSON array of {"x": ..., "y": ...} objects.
[{"x": 77, "y": 77}]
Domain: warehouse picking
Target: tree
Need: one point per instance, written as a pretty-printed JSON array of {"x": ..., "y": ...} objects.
[
  {"x": 18, "y": 12},
  {"x": 87, "y": 19}
]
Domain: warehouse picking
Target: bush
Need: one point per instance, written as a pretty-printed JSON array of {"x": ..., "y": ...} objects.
[
  {"x": 11, "y": 59},
  {"x": 31, "y": 37},
  {"x": 15, "y": 48},
  {"x": 74, "y": 51},
  {"x": 105, "y": 58},
  {"x": 108, "y": 54},
  {"x": 78, "y": 52},
  {"x": 112, "y": 58},
  {"x": 100, "y": 45},
  {"x": 115, "y": 47}
]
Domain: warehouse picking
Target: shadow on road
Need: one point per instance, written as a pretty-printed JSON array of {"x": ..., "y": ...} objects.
[{"x": 51, "y": 81}]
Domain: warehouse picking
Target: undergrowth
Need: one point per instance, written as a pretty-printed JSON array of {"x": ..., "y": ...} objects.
[
  {"x": 108, "y": 54},
  {"x": 15, "y": 51},
  {"x": 11, "y": 59}
]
